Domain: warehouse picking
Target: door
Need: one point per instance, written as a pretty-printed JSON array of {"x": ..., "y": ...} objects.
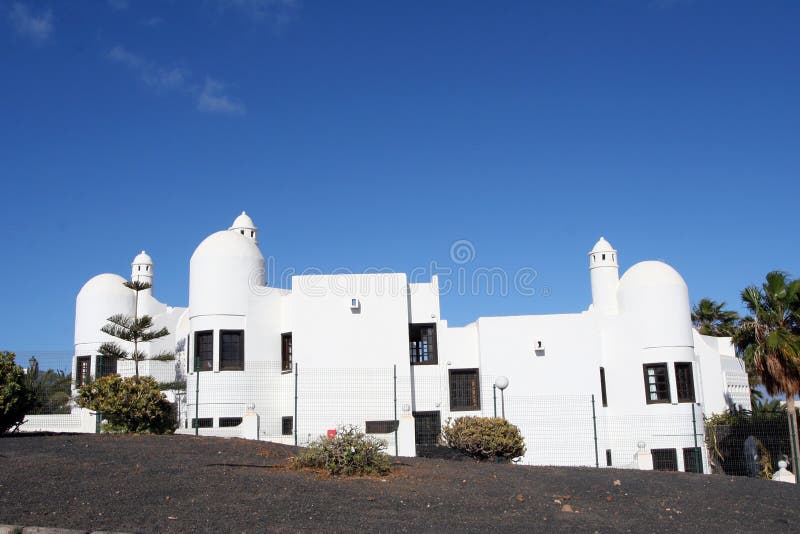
[{"x": 427, "y": 426}]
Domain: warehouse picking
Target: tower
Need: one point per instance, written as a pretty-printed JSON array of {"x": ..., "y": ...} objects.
[
  {"x": 604, "y": 271},
  {"x": 244, "y": 225},
  {"x": 142, "y": 268}
]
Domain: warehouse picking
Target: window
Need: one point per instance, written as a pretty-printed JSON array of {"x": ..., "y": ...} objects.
[
  {"x": 203, "y": 422},
  {"x": 83, "y": 369},
  {"x": 465, "y": 393},
  {"x": 656, "y": 383},
  {"x": 105, "y": 366},
  {"x": 684, "y": 381},
  {"x": 665, "y": 459},
  {"x": 692, "y": 460},
  {"x": 227, "y": 422},
  {"x": 381, "y": 427},
  {"x": 286, "y": 351},
  {"x": 287, "y": 425},
  {"x": 603, "y": 386},
  {"x": 204, "y": 350},
  {"x": 231, "y": 350},
  {"x": 422, "y": 344}
]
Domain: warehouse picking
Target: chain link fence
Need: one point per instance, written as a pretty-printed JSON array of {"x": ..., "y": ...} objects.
[{"x": 297, "y": 406}]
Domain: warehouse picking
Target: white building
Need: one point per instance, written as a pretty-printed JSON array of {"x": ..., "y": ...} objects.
[{"x": 592, "y": 387}]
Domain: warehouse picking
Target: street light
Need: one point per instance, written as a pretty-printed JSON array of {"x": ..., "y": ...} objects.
[{"x": 501, "y": 383}]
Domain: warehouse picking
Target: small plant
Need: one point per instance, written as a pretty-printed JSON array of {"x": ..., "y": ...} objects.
[
  {"x": 16, "y": 398},
  {"x": 350, "y": 453},
  {"x": 484, "y": 438},
  {"x": 129, "y": 404}
]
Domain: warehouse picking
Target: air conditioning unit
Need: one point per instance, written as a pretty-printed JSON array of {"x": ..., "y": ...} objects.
[{"x": 355, "y": 304}]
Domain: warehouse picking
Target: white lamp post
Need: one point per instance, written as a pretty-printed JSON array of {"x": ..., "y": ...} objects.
[{"x": 501, "y": 383}]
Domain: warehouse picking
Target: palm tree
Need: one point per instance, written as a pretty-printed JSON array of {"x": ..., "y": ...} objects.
[
  {"x": 711, "y": 319},
  {"x": 769, "y": 339}
]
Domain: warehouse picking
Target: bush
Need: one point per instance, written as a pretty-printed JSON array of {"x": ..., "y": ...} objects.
[
  {"x": 484, "y": 438},
  {"x": 16, "y": 399},
  {"x": 350, "y": 452},
  {"x": 129, "y": 404}
]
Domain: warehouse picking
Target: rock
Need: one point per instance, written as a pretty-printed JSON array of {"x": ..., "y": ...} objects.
[{"x": 567, "y": 508}]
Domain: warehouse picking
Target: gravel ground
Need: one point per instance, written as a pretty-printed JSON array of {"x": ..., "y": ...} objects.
[{"x": 194, "y": 484}]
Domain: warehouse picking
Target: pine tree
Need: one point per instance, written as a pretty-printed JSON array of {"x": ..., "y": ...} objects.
[{"x": 133, "y": 329}]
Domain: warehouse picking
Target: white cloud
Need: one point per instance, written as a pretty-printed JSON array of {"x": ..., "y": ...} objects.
[
  {"x": 118, "y": 5},
  {"x": 209, "y": 98},
  {"x": 212, "y": 100},
  {"x": 155, "y": 76},
  {"x": 37, "y": 28}
]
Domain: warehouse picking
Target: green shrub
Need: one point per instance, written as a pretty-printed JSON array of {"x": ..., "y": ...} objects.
[
  {"x": 129, "y": 404},
  {"x": 16, "y": 399},
  {"x": 350, "y": 452},
  {"x": 484, "y": 438}
]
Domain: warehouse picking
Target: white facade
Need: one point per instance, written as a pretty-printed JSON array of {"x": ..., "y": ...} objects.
[{"x": 604, "y": 383}]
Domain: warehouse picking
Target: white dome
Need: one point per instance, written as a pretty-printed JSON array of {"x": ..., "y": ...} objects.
[
  {"x": 243, "y": 221},
  {"x": 655, "y": 299},
  {"x": 100, "y": 298},
  {"x": 650, "y": 273},
  {"x": 223, "y": 271},
  {"x": 602, "y": 246},
  {"x": 143, "y": 258}
]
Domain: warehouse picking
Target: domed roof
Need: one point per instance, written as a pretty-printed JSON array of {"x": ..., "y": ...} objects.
[
  {"x": 602, "y": 246},
  {"x": 243, "y": 221},
  {"x": 107, "y": 285},
  {"x": 142, "y": 258},
  {"x": 650, "y": 273},
  {"x": 227, "y": 244}
]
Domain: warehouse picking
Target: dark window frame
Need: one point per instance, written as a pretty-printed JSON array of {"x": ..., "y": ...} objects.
[
  {"x": 238, "y": 364},
  {"x": 603, "y": 393},
  {"x": 286, "y": 352},
  {"x": 665, "y": 459},
  {"x": 203, "y": 422},
  {"x": 229, "y": 422},
  {"x": 684, "y": 382},
  {"x": 105, "y": 366},
  {"x": 691, "y": 455},
  {"x": 83, "y": 376},
  {"x": 664, "y": 385},
  {"x": 205, "y": 363},
  {"x": 423, "y": 348},
  {"x": 457, "y": 403},
  {"x": 287, "y": 425},
  {"x": 381, "y": 427}
]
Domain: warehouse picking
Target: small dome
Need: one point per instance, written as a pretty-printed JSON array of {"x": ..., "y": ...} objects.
[
  {"x": 143, "y": 258},
  {"x": 602, "y": 246},
  {"x": 243, "y": 221},
  {"x": 227, "y": 244},
  {"x": 651, "y": 273},
  {"x": 106, "y": 286}
]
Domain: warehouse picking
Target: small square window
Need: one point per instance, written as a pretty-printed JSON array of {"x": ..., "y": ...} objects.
[
  {"x": 693, "y": 460},
  {"x": 203, "y": 422},
  {"x": 665, "y": 459},
  {"x": 204, "y": 350},
  {"x": 684, "y": 381},
  {"x": 227, "y": 422},
  {"x": 286, "y": 352},
  {"x": 231, "y": 350}
]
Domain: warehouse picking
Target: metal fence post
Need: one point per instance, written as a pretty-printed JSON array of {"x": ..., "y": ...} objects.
[
  {"x": 196, "y": 397},
  {"x": 594, "y": 424},
  {"x": 793, "y": 442},
  {"x": 295, "y": 403},
  {"x": 396, "y": 422},
  {"x": 698, "y": 456},
  {"x": 494, "y": 399}
]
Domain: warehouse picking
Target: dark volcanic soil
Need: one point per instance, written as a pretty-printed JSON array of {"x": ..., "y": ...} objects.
[{"x": 182, "y": 483}]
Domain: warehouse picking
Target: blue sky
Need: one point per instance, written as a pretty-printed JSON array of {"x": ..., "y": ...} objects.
[{"x": 376, "y": 134}]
